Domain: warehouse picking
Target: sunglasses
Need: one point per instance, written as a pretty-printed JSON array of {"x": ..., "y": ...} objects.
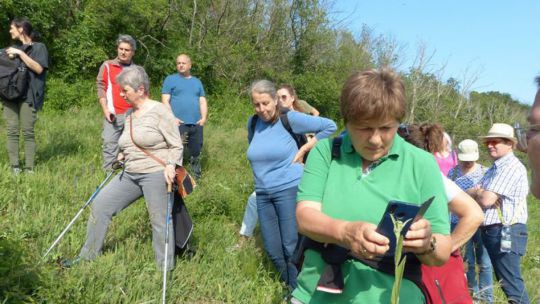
[
  {"x": 492, "y": 142},
  {"x": 403, "y": 130}
]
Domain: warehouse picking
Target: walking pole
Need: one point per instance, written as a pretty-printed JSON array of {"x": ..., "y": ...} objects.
[
  {"x": 116, "y": 165},
  {"x": 170, "y": 200}
]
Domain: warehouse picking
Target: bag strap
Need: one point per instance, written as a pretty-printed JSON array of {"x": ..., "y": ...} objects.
[
  {"x": 284, "y": 121},
  {"x": 141, "y": 148},
  {"x": 287, "y": 125},
  {"x": 336, "y": 146},
  {"x": 254, "y": 119}
]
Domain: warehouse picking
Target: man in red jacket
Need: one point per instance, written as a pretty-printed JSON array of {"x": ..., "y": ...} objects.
[{"x": 112, "y": 104}]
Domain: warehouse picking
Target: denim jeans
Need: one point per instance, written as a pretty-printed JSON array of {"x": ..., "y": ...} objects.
[
  {"x": 507, "y": 264},
  {"x": 476, "y": 254},
  {"x": 249, "y": 222},
  {"x": 277, "y": 216},
  {"x": 193, "y": 134}
]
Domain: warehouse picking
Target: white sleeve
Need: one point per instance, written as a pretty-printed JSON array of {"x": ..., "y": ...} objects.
[{"x": 451, "y": 188}]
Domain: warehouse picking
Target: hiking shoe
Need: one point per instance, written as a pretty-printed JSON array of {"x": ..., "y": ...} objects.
[{"x": 68, "y": 263}]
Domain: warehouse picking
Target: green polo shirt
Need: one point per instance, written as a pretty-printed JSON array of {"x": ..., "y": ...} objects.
[{"x": 406, "y": 174}]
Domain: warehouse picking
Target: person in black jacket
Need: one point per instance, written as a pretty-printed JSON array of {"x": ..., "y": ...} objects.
[{"x": 22, "y": 114}]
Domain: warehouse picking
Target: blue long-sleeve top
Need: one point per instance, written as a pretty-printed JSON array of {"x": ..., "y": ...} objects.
[{"x": 272, "y": 150}]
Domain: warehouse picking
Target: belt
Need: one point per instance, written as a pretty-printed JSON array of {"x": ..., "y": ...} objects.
[{"x": 486, "y": 227}]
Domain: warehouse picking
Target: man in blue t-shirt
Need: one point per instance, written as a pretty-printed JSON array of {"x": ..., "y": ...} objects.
[{"x": 184, "y": 95}]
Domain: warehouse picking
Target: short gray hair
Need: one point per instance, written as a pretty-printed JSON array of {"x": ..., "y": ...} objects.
[
  {"x": 263, "y": 86},
  {"x": 134, "y": 76},
  {"x": 123, "y": 38}
]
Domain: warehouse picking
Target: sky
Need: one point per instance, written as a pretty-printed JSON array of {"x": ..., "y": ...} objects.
[{"x": 494, "y": 41}]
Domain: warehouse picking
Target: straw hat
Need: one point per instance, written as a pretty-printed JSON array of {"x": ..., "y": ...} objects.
[
  {"x": 501, "y": 130},
  {"x": 468, "y": 150}
]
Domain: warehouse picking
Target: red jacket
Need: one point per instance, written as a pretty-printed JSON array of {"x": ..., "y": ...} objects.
[{"x": 109, "y": 89}]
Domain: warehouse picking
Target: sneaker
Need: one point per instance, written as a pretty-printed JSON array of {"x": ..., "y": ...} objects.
[
  {"x": 68, "y": 263},
  {"x": 16, "y": 171},
  {"x": 29, "y": 171}
]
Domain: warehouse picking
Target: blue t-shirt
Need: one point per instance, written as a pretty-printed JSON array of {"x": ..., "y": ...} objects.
[
  {"x": 185, "y": 93},
  {"x": 272, "y": 150}
]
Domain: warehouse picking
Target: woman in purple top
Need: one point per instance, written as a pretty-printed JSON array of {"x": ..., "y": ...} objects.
[{"x": 277, "y": 167}]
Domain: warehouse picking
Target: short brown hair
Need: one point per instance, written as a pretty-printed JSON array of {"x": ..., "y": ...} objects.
[{"x": 373, "y": 94}]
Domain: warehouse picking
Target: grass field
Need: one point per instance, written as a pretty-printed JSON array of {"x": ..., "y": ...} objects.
[{"x": 35, "y": 208}]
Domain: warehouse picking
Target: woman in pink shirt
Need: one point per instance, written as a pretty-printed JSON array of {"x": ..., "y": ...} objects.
[{"x": 437, "y": 144}]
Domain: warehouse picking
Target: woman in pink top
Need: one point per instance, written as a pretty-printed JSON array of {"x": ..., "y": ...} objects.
[{"x": 437, "y": 144}]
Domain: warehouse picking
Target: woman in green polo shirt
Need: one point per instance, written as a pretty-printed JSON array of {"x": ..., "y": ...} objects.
[{"x": 341, "y": 200}]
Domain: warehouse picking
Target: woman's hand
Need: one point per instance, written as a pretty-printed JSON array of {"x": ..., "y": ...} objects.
[
  {"x": 418, "y": 238},
  {"x": 120, "y": 157},
  {"x": 363, "y": 241},
  {"x": 299, "y": 157},
  {"x": 12, "y": 52},
  {"x": 170, "y": 174}
]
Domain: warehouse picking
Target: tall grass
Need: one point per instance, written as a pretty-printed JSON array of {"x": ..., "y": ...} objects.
[{"x": 35, "y": 208}]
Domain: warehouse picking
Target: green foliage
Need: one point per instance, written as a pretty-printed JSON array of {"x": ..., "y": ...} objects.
[{"x": 62, "y": 95}]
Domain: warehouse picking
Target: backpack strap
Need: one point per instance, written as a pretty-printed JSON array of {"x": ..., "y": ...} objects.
[
  {"x": 285, "y": 122},
  {"x": 252, "y": 125},
  {"x": 336, "y": 147}
]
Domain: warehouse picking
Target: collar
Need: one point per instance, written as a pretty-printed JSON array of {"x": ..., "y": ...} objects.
[
  {"x": 505, "y": 160},
  {"x": 117, "y": 62}
]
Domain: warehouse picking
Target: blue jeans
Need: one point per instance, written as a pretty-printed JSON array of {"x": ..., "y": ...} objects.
[
  {"x": 476, "y": 254},
  {"x": 507, "y": 264},
  {"x": 249, "y": 222},
  {"x": 193, "y": 134},
  {"x": 277, "y": 217}
]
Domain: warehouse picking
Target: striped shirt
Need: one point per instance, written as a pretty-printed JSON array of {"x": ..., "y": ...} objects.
[{"x": 507, "y": 178}]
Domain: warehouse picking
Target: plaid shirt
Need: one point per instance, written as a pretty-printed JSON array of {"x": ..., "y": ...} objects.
[
  {"x": 465, "y": 182},
  {"x": 507, "y": 178}
]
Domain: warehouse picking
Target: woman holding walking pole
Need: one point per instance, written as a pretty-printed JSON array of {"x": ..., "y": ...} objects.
[{"x": 149, "y": 135}]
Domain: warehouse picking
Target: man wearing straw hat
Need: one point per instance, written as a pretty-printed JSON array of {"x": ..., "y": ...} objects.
[{"x": 502, "y": 193}]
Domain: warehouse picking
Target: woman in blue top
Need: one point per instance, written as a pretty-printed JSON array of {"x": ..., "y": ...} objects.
[{"x": 276, "y": 163}]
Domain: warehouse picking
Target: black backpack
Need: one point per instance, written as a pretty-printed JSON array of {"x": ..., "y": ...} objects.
[
  {"x": 299, "y": 139},
  {"x": 14, "y": 78}
]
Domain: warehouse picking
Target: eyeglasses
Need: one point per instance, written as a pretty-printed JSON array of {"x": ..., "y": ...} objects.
[
  {"x": 403, "y": 130},
  {"x": 523, "y": 134},
  {"x": 492, "y": 142}
]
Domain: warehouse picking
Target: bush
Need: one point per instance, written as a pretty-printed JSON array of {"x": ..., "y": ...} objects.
[{"x": 61, "y": 95}]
